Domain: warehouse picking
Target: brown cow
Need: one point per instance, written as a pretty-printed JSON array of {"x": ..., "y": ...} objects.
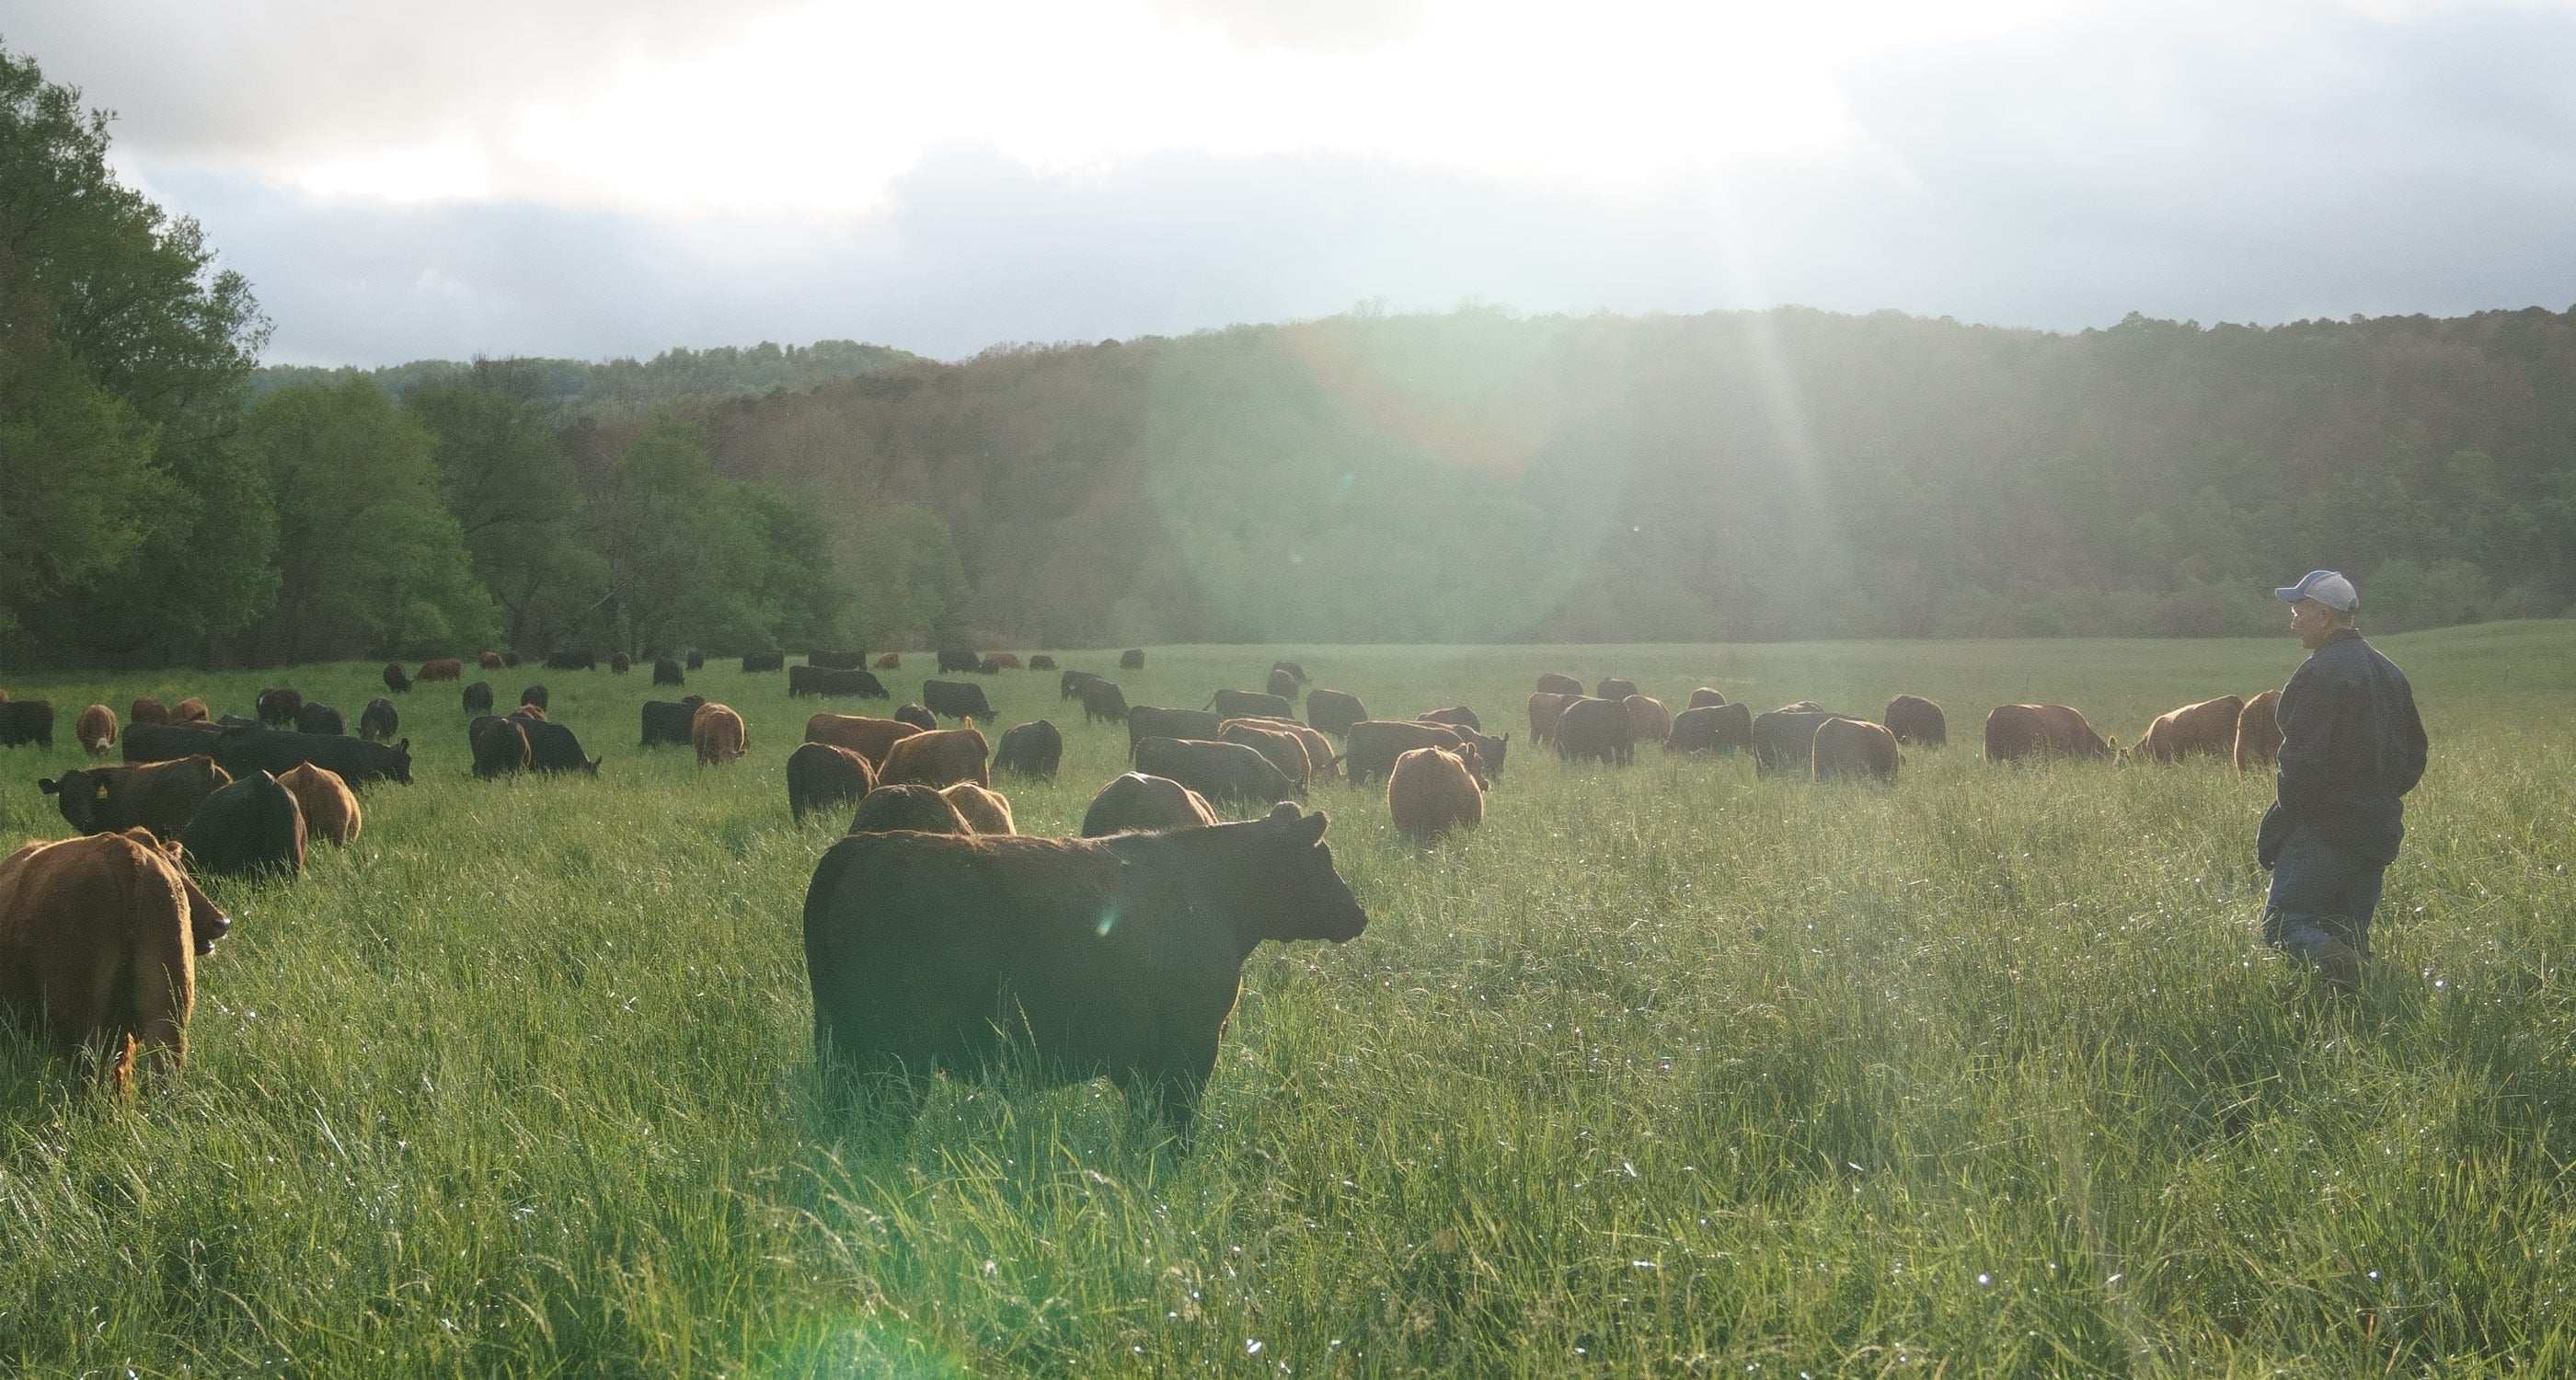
[
  {"x": 1545, "y": 708},
  {"x": 1375, "y": 744},
  {"x": 985, "y": 811},
  {"x": 1284, "y": 749},
  {"x": 190, "y": 711},
  {"x": 160, "y": 796},
  {"x": 939, "y": 759},
  {"x": 1854, "y": 748},
  {"x": 820, "y": 774},
  {"x": 891, "y": 661},
  {"x": 1008, "y": 661},
  {"x": 1712, "y": 728},
  {"x": 1705, "y": 698},
  {"x": 1322, "y": 763},
  {"x": 99, "y": 939},
  {"x": 1554, "y": 683},
  {"x": 1914, "y": 719},
  {"x": 1647, "y": 714},
  {"x": 2015, "y": 731},
  {"x": 489, "y": 661},
  {"x": 1431, "y": 793},
  {"x": 914, "y": 807},
  {"x": 97, "y": 729},
  {"x": 445, "y": 668},
  {"x": 869, "y": 738},
  {"x": 2209, "y": 726},
  {"x": 148, "y": 710},
  {"x": 1138, "y": 801},
  {"x": 2258, "y": 731},
  {"x": 330, "y": 807},
  {"x": 717, "y": 734}
]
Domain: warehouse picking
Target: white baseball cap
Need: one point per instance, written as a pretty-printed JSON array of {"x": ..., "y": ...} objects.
[{"x": 2326, "y": 587}]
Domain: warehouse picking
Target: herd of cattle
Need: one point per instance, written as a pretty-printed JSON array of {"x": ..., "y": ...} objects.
[{"x": 1121, "y": 949}]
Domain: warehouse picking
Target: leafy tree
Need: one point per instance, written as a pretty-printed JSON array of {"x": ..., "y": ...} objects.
[
  {"x": 683, "y": 553},
  {"x": 504, "y": 477},
  {"x": 371, "y": 558}
]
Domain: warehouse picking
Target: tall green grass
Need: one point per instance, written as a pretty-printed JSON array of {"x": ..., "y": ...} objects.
[{"x": 1664, "y": 1070}]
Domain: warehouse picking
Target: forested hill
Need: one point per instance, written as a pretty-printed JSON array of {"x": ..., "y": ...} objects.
[
  {"x": 1786, "y": 474},
  {"x": 573, "y": 390}
]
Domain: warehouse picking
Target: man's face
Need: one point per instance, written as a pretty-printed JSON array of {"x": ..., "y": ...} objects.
[{"x": 2313, "y": 622}]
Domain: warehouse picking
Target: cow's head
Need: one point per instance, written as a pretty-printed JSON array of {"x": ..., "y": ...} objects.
[
  {"x": 206, "y": 921},
  {"x": 402, "y": 761},
  {"x": 78, "y": 795},
  {"x": 1303, "y": 896}
]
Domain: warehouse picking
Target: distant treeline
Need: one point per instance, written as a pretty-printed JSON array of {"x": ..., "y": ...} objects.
[{"x": 1468, "y": 477}]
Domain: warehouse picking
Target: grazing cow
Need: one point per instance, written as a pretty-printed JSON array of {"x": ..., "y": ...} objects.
[
  {"x": 870, "y": 738},
  {"x": 821, "y": 774},
  {"x": 891, "y": 661},
  {"x": 489, "y": 661},
  {"x": 619, "y": 663},
  {"x": 500, "y": 746},
  {"x": 98, "y": 945},
  {"x": 1853, "y": 748},
  {"x": 379, "y": 721},
  {"x": 919, "y": 716},
  {"x": 666, "y": 671},
  {"x": 1647, "y": 714},
  {"x": 1102, "y": 699},
  {"x": 1219, "y": 771},
  {"x": 571, "y": 661},
  {"x": 1704, "y": 698},
  {"x": 1554, "y": 684},
  {"x": 986, "y": 811},
  {"x": 478, "y": 697},
  {"x": 695, "y": 661},
  {"x": 1282, "y": 685},
  {"x": 914, "y": 808},
  {"x": 1008, "y": 661},
  {"x": 1331, "y": 711},
  {"x": 1545, "y": 708},
  {"x": 837, "y": 661},
  {"x": 1322, "y": 762},
  {"x": 252, "y": 826},
  {"x": 2258, "y": 732},
  {"x": 1914, "y": 719},
  {"x": 1281, "y": 748},
  {"x": 510, "y": 658},
  {"x": 444, "y": 668},
  {"x": 1032, "y": 750},
  {"x": 1595, "y": 730},
  {"x": 1069, "y": 685},
  {"x": 1295, "y": 672},
  {"x": 533, "y": 713},
  {"x": 160, "y": 796},
  {"x": 330, "y": 808},
  {"x": 555, "y": 748},
  {"x": 1614, "y": 689},
  {"x": 1138, "y": 801},
  {"x": 958, "y": 659},
  {"x": 1784, "y": 741},
  {"x": 824, "y": 680},
  {"x": 1251, "y": 704},
  {"x": 96, "y": 729},
  {"x": 278, "y": 707},
  {"x": 717, "y": 734},
  {"x": 1145, "y": 721},
  {"x": 1458, "y": 714},
  {"x": 396, "y": 681},
  {"x": 1712, "y": 728},
  {"x": 250, "y": 748},
  {"x": 667, "y": 722},
  {"x": 2207, "y": 727},
  {"x": 763, "y": 661},
  {"x": 148, "y": 710},
  {"x": 1041, "y": 662},
  {"x": 1132, "y": 659},
  {"x": 2014, "y": 731},
  {"x": 317, "y": 717},
  {"x": 956, "y": 699},
  {"x": 536, "y": 696},
  {"x": 1120, "y": 956},
  {"x": 939, "y": 758},
  {"x": 1431, "y": 793},
  {"x": 1372, "y": 746},
  {"x": 190, "y": 711},
  {"x": 991, "y": 665}
]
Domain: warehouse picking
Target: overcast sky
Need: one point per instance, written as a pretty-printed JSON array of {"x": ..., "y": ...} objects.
[{"x": 605, "y": 177}]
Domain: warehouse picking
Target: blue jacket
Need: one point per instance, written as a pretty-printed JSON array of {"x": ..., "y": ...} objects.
[{"x": 2351, "y": 746}]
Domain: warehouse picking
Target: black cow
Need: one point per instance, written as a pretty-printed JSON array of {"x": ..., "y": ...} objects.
[
  {"x": 1331, "y": 711},
  {"x": 30, "y": 721},
  {"x": 1283, "y": 685},
  {"x": 1031, "y": 749},
  {"x": 534, "y": 694},
  {"x": 1555, "y": 684},
  {"x": 247, "y": 828},
  {"x": 1458, "y": 714},
  {"x": 1219, "y": 771},
  {"x": 667, "y": 672},
  {"x": 1145, "y": 721},
  {"x": 825, "y": 680},
  {"x": 958, "y": 659},
  {"x": 1251, "y": 704},
  {"x": 316, "y": 717},
  {"x": 500, "y": 746},
  {"x": 1295, "y": 671},
  {"x": 1596, "y": 730},
  {"x": 1615, "y": 690},
  {"x": 837, "y": 661},
  {"x": 1712, "y": 728},
  {"x": 478, "y": 697},
  {"x": 379, "y": 721},
  {"x": 956, "y": 699},
  {"x": 248, "y": 751},
  {"x": 764, "y": 661},
  {"x": 1103, "y": 699},
  {"x": 821, "y": 775},
  {"x": 1041, "y": 662},
  {"x": 1784, "y": 741},
  {"x": 1069, "y": 685},
  {"x": 697, "y": 661},
  {"x": 572, "y": 661},
  {"x": 397, "y": 680},
  {"x": 1132, "y": 659},
  {"x": 553, "y": 747},
  {"x": 918, "y": 716},
  {"x": 278, "y": 707},
  {"x": 667, "y": 722}
]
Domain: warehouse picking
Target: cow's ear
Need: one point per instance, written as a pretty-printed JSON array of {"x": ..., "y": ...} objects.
[
  {"x": 49, "y": 787},
  {"x": 403, "y": 746},
  {"x": 1285, "y": 812},
  {"x": 1310, "y": 830}
]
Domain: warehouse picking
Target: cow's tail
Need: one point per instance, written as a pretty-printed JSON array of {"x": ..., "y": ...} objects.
[{"x": 163, "y": 971}]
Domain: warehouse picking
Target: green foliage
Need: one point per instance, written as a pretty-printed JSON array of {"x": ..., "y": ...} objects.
[
  {"x": 564, "y": 391},
  {"x": 77, "y": 465},
  {"x": 505, "y": 478},
  {"x": 686, "y": 554},
  {"x": 1665, "y": 1070},
  {"x": 368, "y": 553},
  {"x": 902, "y": 571}
]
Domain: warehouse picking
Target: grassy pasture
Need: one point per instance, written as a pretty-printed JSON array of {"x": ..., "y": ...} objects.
[{"x": 1665, "y": 1070}]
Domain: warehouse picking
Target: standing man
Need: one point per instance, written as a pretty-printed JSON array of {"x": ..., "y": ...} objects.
[{"x": 2351, "y": 746}]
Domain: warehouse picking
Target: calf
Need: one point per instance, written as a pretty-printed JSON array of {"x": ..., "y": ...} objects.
[
  {"x": 489, "y": 661},
  {"x": 559, "y": 661},
  {"x": 891, "y": 661},
  {"x": 1545, "y": 708},
  {"x": 958, "y": 659},
  {"x": 99, "y": 939},
  {"x": 189, "y": 711},
  {"x": 1784, "y": 741}
]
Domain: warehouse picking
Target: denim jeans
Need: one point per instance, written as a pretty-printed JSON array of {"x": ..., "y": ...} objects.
[{"x": 2319, "y": 893}]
